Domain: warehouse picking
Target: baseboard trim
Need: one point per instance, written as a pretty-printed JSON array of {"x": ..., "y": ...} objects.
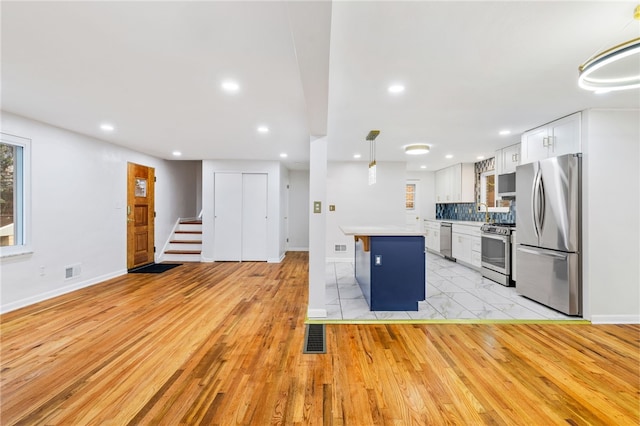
[
  {"x": 272, "y": 260},
  {"x": 615, "y": 319},
  {"x": 298, "y": 249},
  {"x": 59, "y": 292},
  {"x": 316, "y": 313}
]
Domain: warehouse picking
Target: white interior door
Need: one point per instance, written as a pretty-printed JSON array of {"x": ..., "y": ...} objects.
[
  {"x": 227, "y": 244},
  {"x": 254, "y": 216}
]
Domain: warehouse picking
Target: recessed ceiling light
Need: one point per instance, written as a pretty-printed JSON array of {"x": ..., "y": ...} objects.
[
  {"x": 448, "y": 156},
  {"x": 263, "y": 129},
  {"x": 283, "y": 155},
  {"x": 107, "y": 127},
  {"x": 416, "y": 149},
  {"x": 177, "y": 153},
  {"x": 423, "y": 167},
  {"x": 356, "y": 156},
  {"x": 504, "y": 132},
  {"x": 396, "y": 88},
  {"x": 480, "y": 157},
  {"x": 230, "y": 86}
]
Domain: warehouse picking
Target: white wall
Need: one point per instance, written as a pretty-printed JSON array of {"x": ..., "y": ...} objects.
[
  {"x": 78, "y": 200},
  {"x": 611, "y": 214},
  {"x": 274, "y": 225},
  {"x": 358, "y": 203},
  {"x": 299, "y": 210},
  {"x": 317, "y": 227}
]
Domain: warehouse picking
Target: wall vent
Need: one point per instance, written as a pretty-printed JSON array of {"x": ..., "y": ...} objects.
[
  {"x": 72, "y": 271},
  {"x": 340, "y": 248}
]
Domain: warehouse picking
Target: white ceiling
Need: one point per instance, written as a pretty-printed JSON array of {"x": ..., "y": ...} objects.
[{"x": 154, "y": 70}]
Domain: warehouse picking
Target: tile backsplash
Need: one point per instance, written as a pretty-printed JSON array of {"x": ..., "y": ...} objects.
[{"x": 467, "y": 211}]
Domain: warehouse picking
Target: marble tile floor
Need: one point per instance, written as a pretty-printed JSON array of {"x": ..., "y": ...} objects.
[{"x": 454, "y": 292}]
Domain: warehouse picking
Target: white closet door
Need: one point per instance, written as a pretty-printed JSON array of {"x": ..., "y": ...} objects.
[
  {"x": 254, "y": 216},
  {"x": 228, "y": 218}
]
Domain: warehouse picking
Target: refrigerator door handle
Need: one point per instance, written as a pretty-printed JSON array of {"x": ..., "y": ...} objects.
[
  {"x": 541, "y": 198},
  {"x": 543, "y": 253},
  {"x": 535, "y": 205}
]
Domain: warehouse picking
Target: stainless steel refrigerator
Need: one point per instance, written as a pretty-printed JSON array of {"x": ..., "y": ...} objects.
[{"x": 548, "y": 223}]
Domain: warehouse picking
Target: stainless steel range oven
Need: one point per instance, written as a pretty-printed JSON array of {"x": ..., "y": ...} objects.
[{"x": 496, "y": 252}]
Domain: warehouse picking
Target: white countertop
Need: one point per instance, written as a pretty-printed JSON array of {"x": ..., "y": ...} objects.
[
  {"x": 459, "y": 222},
  {"x": 377, "y": 231}
]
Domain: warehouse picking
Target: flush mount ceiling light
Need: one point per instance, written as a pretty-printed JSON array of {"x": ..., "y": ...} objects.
[
  {"x": 617, "y": 68},
  {"x": 416, "y": 149},
  {"x": 504, "y": 132},
  {"x": 356, "y": 156},
  {"x": 107, "y": 127},
  {"x": 176, "y": 153},
  {"x": 283, "y": 155},
  {"x": 230, "y": 86},
  {"x": 371, "y": 137},
  {"x": 263, "y": 129},
  {"x": 396, "y": 88},
  {"x": 448, "y": 156}
]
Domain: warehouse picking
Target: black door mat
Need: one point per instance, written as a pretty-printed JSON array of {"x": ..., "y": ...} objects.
[
  {"x": 314, "y": 339},
  {"x": 154, "y": 268}
]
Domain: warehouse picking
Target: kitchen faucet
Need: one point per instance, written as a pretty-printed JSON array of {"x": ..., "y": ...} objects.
[{"x": 486, "y": 212}]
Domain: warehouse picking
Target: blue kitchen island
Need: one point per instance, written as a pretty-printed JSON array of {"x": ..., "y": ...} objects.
[{"x": 389, "y": 266}]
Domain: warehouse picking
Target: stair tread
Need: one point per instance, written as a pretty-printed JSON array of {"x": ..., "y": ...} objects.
[
  {"x": 185, "y": 242},
  {"x": 190, "y": 222},
  {"x": 183, "y": 252},
  {"x": 188, "y": 232}
]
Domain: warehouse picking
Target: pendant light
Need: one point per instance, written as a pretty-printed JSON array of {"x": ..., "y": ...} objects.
[
  {"x": 617, "y": 68},
  {"x": 371, "y": 137}
]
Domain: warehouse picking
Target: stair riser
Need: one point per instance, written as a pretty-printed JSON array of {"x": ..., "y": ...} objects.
[
  {"x": 185, "y": 246},
  {"x": 187, "y": 237},
  {"x": 181, "y": 258},
  {"x": 189, "y": 227}
]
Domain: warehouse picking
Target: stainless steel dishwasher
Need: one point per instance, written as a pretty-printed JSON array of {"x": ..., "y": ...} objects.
[{"x": 445, "y": 239}]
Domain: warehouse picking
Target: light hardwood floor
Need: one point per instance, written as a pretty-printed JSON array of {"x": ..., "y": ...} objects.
[{"x": 221, "y": 344}]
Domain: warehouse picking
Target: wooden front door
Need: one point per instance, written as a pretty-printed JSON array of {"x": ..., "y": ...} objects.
[{"x": 140, "y": 215}]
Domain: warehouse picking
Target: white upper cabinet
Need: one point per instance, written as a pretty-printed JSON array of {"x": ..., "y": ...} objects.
[
  {"x": 509, "y": 159},
  {"x": 456, "y": 184},
  {"x": 553, "y": 139}
]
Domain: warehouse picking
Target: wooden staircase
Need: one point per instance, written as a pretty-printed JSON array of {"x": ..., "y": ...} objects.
[{"x": 186, "y": 242}]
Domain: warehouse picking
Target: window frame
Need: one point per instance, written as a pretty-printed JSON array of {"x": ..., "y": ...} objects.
[
  {"x": 22, "y": 194},
  {"x": 406, "y": 196},
  {"x": 483, "y": 194}
]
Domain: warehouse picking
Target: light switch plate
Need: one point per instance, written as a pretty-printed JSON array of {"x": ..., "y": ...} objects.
[
  {"x": 377, "y": 260},
  {"x": 317, "y": 207}
]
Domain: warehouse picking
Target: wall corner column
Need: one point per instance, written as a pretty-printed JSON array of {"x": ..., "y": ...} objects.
[{"x": 317, "y": 227}]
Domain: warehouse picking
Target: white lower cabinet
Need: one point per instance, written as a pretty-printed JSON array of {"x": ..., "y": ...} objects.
[
  {"x": 432, "y": 235},
  {"x": 466, "y": 244}
]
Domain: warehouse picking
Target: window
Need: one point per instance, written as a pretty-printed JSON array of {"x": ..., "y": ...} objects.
[
  {"x": 14, "y": 197},
  {"x": 488, "y": 188},
  {"x": 410, "y": 196}
]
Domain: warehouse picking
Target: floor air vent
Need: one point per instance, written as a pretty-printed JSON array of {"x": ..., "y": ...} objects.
[{"x": 314, "y": 339}]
